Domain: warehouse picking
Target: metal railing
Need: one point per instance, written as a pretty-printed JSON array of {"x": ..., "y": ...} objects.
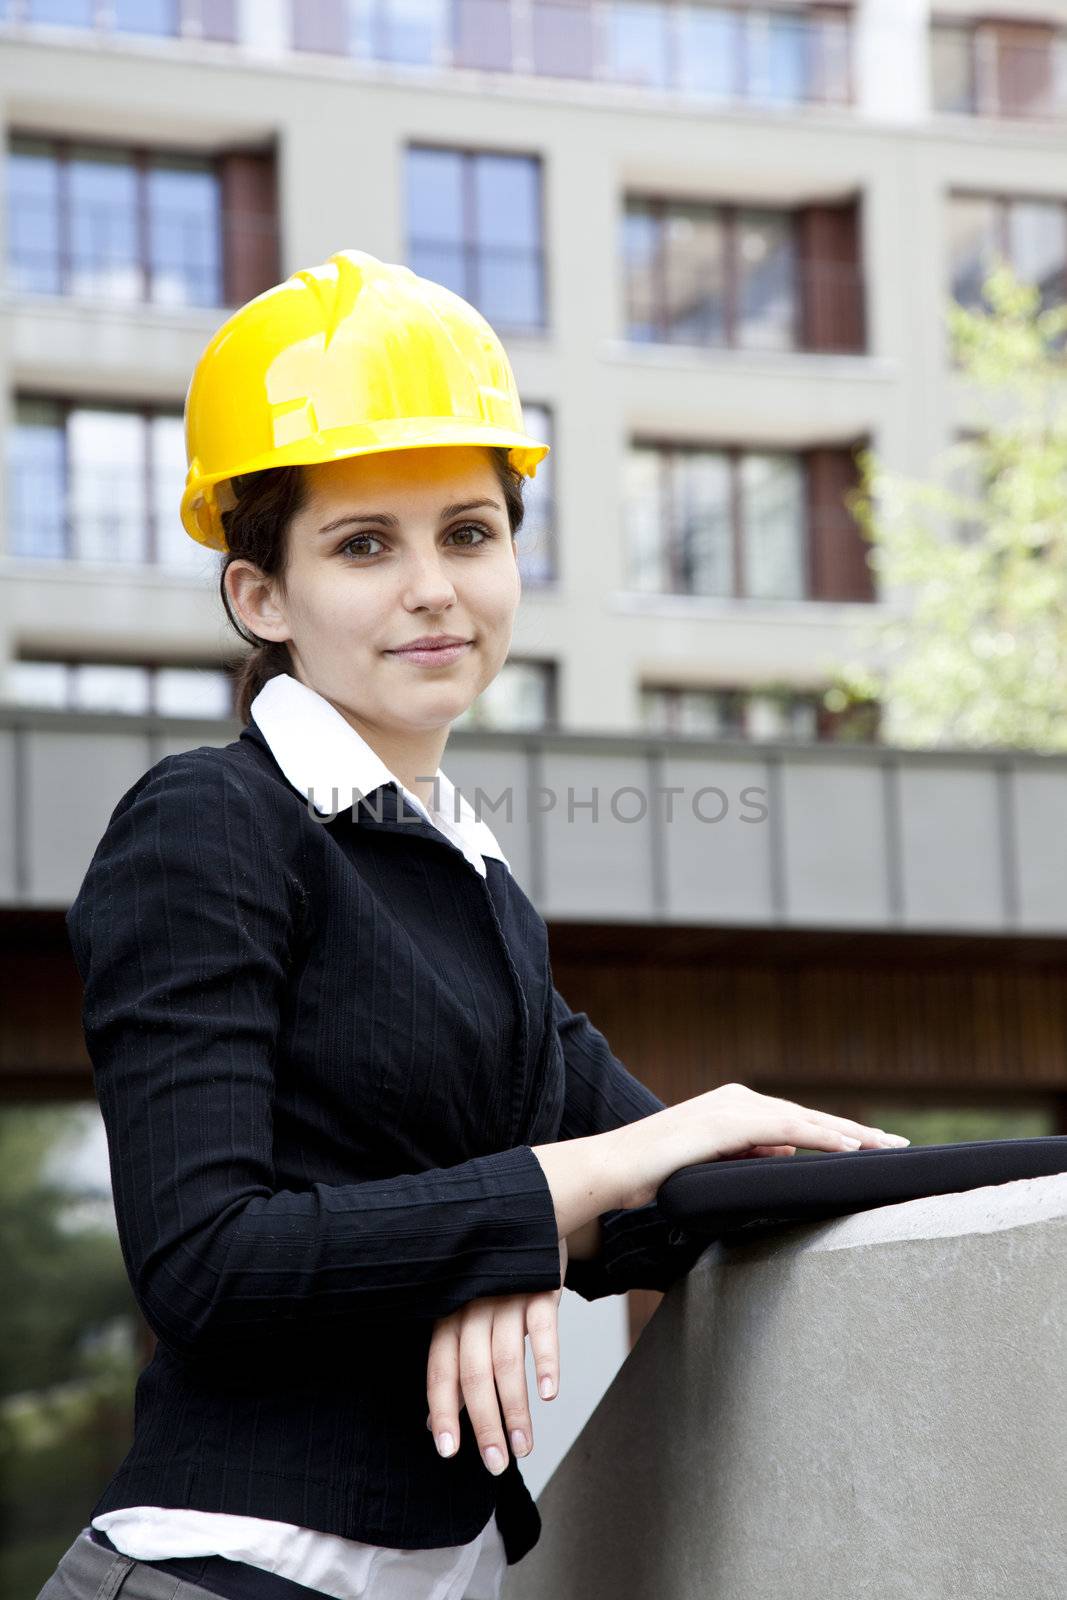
[
  {"x": 794, "y": 304},
  {"x": 976, "y": 73},
  {"x": 96, "y": 515},
  {"x": 156, "y": 255},
  {"x": 168, "y": 19},
  {"x": 610, "y": 827},
  {"x": 727, "y": 54}
]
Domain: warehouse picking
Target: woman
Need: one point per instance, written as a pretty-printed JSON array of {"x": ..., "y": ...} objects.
[{"x": 358, "y": 1139}]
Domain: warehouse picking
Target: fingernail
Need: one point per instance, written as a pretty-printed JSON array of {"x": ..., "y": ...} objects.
[
  {"x": 548, "y": 1388},
  {"x": 494, "y": 1460},
  {"x": 518, "y": 1441},
  {"x": 446, "y": 1444}
]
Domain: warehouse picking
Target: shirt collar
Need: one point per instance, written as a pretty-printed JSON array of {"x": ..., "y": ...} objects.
[{"x": 324, "y": 757}]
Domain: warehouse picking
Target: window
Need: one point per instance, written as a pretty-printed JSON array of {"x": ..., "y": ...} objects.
[
  {"x": 999, "y": 69},
  {"x": 99, "y": 483},
  {"x": 743, "y": 524},
  {"x": 537, "y": 536},
  {"x": 716, "y": 522},
  {"x": 776, "y": 713},
  {"x": 748, "y": 277},
  {"x": 474, "y": 225},
  {"x": 127, "y": 225},
  {"x": 1029, "y": 233},
  {"x": 415, "y": 32},
  {"x": 199, "y": 19},
  {"x": 139, "y": 689},
  {"x": 522, "y": 695}
]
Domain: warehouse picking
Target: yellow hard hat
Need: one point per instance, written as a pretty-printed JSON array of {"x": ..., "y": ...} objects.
[{"x": 349, "y": 358}]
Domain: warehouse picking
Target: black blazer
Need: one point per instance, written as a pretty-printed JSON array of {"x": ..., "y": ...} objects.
[{"x": 322, "y": 1050}]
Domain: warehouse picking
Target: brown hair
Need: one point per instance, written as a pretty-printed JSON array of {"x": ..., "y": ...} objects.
[{"x": 257, "y": 530}]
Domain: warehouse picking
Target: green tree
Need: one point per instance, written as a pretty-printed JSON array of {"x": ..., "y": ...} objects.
[{"x": 975, "y": 652}]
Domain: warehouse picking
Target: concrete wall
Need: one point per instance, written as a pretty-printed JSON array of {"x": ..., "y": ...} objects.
[
  {"x": 693, "y": 832},
  {"x": 868, "y": 1406}
]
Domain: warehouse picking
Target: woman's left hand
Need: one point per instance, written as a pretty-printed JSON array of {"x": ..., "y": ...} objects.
[{"x": 478, "y": 1353}]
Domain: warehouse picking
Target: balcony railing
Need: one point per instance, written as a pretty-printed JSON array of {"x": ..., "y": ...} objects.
[
  {"x": 166, "y": 19},
  {"x": 782, "y": 305},
  {"x": 505, "y": 281},
  {"x": 976, "y": 72},
  {"x": 166, "y": 257},
  {"x": 723, "y": 54},
  {"x": 639, "y": 828},
  {"x": 101, "y": 516}
]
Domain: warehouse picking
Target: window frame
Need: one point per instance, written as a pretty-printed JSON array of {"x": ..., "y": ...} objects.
[
  {"x": 153, "y": 665},
  {"x": 141, "y": 158},
  {"x": 189, "y": 14},
  {"x": 470, "y": 246},
  {"x": 731, "y": 216},
  {"x": 831, "y": 727},
  {"x": 146, "y": 411},
  {"x": 1002, "y": 200},
  {"x": 671, "y": 564},
  {"x": 984, "y": 65}
]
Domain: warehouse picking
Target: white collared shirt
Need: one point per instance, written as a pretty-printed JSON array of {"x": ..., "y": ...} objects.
[
  {"x": 324, "y": 757},
  {"x": 332, "y": 765}
]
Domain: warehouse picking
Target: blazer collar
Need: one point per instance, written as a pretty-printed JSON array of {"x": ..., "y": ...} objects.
[{"x": 332, "y": 766}]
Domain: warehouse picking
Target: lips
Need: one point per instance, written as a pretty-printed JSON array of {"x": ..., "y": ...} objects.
[
  {"x": 431, "y": 642},
  {"x": 432, "y": 655}
]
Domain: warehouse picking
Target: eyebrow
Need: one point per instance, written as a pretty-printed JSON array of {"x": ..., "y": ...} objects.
[{"x": 389, "y": 521}]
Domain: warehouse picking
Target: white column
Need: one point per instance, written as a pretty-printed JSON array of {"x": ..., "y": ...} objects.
[
  {"x": 263, "y": 26},
  {"x": 892, "y": 59}
]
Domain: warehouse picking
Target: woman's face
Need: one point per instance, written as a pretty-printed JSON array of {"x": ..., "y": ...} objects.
[{"x": 358, "y": 587}]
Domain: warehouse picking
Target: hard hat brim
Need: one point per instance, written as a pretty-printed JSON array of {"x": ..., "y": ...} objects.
[{"x": 200, "y": 511}]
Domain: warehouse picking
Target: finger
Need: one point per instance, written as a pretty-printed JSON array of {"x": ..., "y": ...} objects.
[
  {"x": 762, "y": 1150},
  {"x": 542, "y": 1324},
  {"x": 863, "y": 1131},
  {"x": 477, "y": 1382},
  {"x": 442, "y": 1386},
  {"x": 509, "y": 1367}
]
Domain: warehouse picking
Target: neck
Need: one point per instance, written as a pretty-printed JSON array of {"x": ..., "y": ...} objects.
[{"x": 414, "y": 759}]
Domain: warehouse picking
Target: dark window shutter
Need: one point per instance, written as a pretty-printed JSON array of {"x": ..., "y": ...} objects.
[
  {"x": 320, "y": 25},
  {"x": 249, "y": 224},
  {"x": 838, "y": 551},
  {"x": 829, "y": 53},
  {"x": 831, "y": 281},
  {"x": 1024, "y": 71}
]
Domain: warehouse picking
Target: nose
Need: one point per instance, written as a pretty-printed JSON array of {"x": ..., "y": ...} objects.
[{"x": 426, "y": 584}]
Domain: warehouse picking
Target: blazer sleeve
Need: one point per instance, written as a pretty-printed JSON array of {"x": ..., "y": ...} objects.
[
  {"x": 640, "y": 1248},
  {"x": 182, "y": 931}
]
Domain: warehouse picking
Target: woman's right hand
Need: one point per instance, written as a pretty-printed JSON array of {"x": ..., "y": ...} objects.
[{"x": 726, "y": 1122}]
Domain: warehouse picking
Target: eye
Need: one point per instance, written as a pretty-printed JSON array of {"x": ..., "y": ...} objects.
[
  {"x": 357, "y": 538},
  {"x": 363, "y": 554},
  {"x": 476, "y": 527}
]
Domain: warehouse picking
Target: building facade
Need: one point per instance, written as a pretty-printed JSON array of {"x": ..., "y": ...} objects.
[{"x": 717, "y": 240}]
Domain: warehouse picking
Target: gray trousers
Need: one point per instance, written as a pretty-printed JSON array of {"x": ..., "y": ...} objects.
[{"x": 89, "y": 1572}]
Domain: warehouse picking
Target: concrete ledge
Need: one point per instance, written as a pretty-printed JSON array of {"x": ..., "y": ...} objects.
[{"x": 874, "y": 1405}]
